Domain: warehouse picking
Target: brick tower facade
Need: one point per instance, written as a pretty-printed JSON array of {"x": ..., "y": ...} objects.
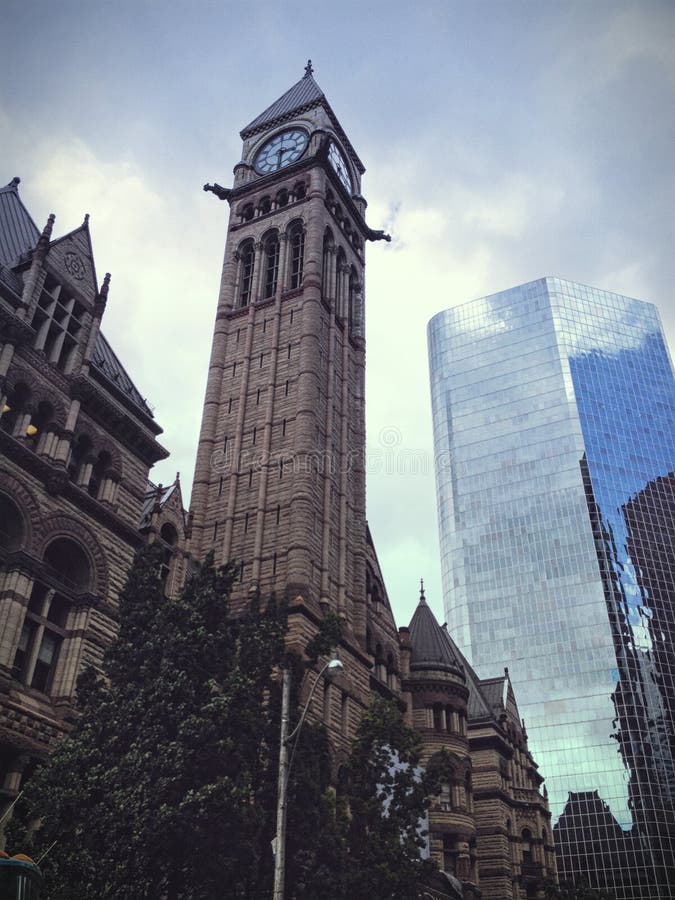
[{"x": 280, "y": 479}]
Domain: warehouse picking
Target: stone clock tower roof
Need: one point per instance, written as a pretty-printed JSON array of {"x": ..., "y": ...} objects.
[{"x": 304, "y": 95}]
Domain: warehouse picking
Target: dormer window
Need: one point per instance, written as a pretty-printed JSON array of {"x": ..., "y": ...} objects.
[{"x": 58, "y": 322}]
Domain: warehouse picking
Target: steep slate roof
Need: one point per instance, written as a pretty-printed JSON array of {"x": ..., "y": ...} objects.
[
  {"x": 303, "y": 95},
  {"x": 18, "y": 231},
  {"x": 151, "y": 498},
  {"x": 108, "y": 365},
  {"x": 478, "y": 706},
  {"x": 430, "y": 649}
]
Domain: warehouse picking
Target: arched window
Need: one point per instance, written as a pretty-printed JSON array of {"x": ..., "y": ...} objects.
[
  {"x": 380, "y": 667},
  {"x": 11, "y": 524},
  {"x": 80, "y": 451},
  {"x": 44, "y": 625},
  {"x": 299, "y": 190},
  {"x": 247, "y": 213},
  {"x": 282, "y": 198},
  {"x": 353, "y": 286},
  {"x": 69, "y": 563},
  {"x": 265, "y": 205},
  {"x": 297, "y": 249},
  {"x": 15, "y": 404},
  {"x": 391, "y": 674},
  {"x": 169, "y": 534},
  {"x": 527, "y": 846},
  {"x": 246, "y": 262},
  {"x": 341, "y": 266},
  {"x": 43, "y": 415},
  {"x": 271, "y": 265},
  {"x": 328, "y": 245},
  {"x": 98, "y": 473}
]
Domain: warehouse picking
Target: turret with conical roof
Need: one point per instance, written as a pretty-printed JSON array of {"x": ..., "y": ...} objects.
[
  {"x": 438, "y": 698},
  {"x": 437, "y": 683}
]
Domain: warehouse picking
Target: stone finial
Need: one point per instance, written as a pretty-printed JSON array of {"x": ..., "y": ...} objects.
[
  {"x": 105, "y": 287},
  {"x": 423, "y": 600},
  {"x": 86, "y": 219},
  {"x": 43, "y": 241},
  {"x": 308, "y": 69},
  {"x": 177, "y": 481},
  {"x": 15, "y": 182}
]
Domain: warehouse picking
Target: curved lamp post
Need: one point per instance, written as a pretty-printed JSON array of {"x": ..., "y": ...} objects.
[{"x": 330, "y": 669}]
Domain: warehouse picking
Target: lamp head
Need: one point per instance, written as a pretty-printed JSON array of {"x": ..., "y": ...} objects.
[{"x": 333, "y": 668}]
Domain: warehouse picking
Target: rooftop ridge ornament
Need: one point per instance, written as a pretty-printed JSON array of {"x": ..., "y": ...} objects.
[
  {"x": 309, "y": 69},
  {"x": 423, "y": 600},
  {"x": 86, "y": 219}
]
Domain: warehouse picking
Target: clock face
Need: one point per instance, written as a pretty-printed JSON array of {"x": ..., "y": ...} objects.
[
  {"x": 281, "y": 150},
  {"x": 339, "y": 163}
]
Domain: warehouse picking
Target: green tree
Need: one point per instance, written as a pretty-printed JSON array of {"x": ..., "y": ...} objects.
[
  {"x": 388, "y": 796},
  {"x": 166, "y": 786}
]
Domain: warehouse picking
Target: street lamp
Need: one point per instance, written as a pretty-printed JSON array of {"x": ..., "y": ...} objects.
[{"x": 331, "y": 669}]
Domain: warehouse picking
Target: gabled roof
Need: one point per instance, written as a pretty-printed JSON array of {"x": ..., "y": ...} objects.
[
  {"x": 18, "y": 231},
  {"x": 430, "y": 648},
  {"x": 158, "y": 494},
  {"x": 107, "y": 364},
  {"x": 78, "y": 240},
  {"x": 303, "y": 95}
]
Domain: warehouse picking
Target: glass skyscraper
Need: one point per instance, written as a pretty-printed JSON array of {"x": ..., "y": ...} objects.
[{"x": 554, "y": 432}]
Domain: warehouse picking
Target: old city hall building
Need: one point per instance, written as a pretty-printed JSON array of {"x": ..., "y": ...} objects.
[{"x": 279, "y": 487}]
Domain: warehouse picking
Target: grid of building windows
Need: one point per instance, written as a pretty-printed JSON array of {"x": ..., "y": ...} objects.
[{"x": 554, "y": 431}]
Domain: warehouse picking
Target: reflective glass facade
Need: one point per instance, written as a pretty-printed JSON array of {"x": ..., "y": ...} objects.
[{"x": 554, "y": 430}]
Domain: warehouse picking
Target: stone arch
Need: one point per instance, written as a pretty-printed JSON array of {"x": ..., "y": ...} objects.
[
  {"x": 26, "y": 503},
  {"x": 60, "y": 525},
  {"x": 67, "y": 557}
]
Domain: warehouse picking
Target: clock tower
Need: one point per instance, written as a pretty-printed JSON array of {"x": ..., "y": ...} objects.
[{"x": 280, "y": 477}]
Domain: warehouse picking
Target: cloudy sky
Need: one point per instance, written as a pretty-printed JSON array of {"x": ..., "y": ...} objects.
[{"x": 503, "y": 141}]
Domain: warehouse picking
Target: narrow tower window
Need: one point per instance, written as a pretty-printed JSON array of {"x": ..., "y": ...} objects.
[
  {"x": 246, "y": 260},
  {"x": 297, "y": 241},
  {"x": 271, "y": 265}
]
